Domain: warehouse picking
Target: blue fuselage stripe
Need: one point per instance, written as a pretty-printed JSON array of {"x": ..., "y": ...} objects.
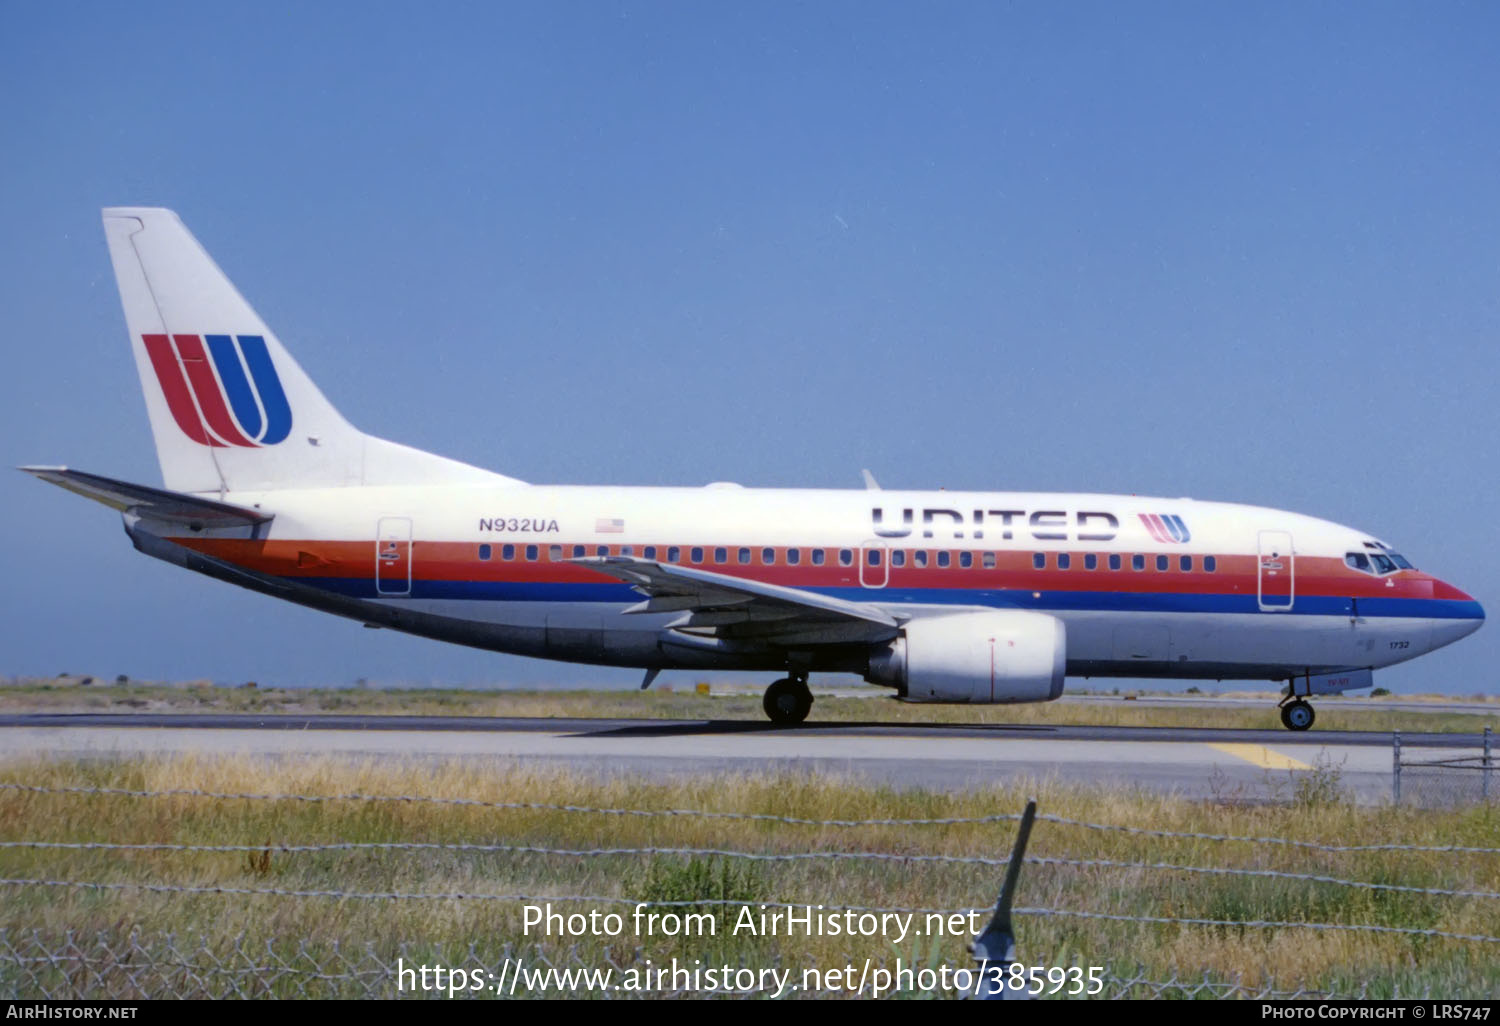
[{"x": 1063, "y": 601}]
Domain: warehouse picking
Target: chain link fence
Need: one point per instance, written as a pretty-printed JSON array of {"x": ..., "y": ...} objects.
[{"x": 1447, "y": 782}]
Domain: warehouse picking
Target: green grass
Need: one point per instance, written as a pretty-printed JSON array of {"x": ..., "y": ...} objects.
[
  {"x": 1333, "y": 713},
  {"x": 1289, "y": 958}
]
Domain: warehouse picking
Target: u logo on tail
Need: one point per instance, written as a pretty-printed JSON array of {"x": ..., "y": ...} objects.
[{"x": 222, "y": 389}]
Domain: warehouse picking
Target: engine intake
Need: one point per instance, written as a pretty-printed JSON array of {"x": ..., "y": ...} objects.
[{"x": 987, "y": 657}]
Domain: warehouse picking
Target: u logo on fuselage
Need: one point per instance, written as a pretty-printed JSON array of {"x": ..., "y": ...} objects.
[
  {"x": 1167, "y": 528},
  {"x": 223, "y": 390}
]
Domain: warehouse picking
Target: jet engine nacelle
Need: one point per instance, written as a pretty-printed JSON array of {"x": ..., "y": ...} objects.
[{"x": 983, "y": 657}]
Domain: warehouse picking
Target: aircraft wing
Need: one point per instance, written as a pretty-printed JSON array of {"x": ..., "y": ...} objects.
[
  {"x": 745, "y": 609},
  {"x": 157, "y": 503}
]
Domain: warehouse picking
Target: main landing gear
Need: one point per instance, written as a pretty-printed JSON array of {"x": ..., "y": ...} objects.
[
  {"x": 788, "y": 700},
  {"x": 1296, "y": 714}
]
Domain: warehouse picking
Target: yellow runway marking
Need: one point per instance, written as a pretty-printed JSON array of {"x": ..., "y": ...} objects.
[{"x": 1260, "y": 755}]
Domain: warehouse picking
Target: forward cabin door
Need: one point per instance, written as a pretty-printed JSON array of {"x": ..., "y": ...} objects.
[
  {"x": 1277, "y": 572},
  {"x": 393, "y": 557}
]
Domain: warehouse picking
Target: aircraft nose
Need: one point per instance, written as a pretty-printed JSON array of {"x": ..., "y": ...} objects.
[{"x": 1467, "y": 615}]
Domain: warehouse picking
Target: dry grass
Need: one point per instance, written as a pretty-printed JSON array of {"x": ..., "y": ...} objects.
[
  {"x": 1333, "y": 713},
  {"x": 1290, "y": 957}
]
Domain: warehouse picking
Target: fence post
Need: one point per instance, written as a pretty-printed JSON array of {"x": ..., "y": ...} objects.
[
  {"x": 1396, "y": 765},
  {"x": 995, "y": 947},
  {"x": 1484, "y": 785}
]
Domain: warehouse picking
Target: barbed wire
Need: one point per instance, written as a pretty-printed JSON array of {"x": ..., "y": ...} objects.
[
  {"x": 1410, "y": 931},
  {"x": 599, "y": 899},
  {"x": 1307, "y": 845},
  {"x": 1003, "y": 817},
  {"x": 746, "y": 816},
  {"x": 974, "y": 860}
]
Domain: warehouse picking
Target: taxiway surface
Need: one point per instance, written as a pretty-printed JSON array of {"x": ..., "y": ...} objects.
[{"x": 1195, "y": 762}]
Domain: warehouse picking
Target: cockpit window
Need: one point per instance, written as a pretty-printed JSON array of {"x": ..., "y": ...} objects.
[
  {"x": 1379, "y": 550},
  {"x": 1376, "y": 562}
]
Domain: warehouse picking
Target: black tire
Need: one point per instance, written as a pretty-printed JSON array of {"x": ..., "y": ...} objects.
[
  {"x": 787, "y": 702},
  {"x": 1297, "y": 715}
]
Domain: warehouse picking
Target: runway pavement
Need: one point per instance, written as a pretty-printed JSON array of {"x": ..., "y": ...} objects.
[{"x": 1193, "y": 762}]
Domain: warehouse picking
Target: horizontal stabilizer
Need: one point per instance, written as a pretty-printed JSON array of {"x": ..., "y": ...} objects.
[{"x": 156, "y": 503}]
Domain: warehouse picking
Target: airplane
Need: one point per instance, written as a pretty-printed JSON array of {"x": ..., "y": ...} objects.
[{"x": 956, "y": 597}]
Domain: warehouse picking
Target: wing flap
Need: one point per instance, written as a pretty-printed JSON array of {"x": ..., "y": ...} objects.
[{"x": 720, "y": 602}]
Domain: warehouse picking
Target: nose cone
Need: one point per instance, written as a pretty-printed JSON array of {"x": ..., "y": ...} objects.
[{"x": 1465, "y": 615}]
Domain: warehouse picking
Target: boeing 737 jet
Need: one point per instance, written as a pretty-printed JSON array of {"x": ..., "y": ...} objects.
[{"x": 978, "y": 597}]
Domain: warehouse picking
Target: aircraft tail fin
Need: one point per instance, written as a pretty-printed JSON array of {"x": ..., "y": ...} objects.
[{"x": 230, "y": 409}]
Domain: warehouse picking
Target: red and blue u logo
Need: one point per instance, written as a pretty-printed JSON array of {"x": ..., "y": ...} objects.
[
  {"x": 222, "y": 389},
  {"x": 1167, "y": 528}
]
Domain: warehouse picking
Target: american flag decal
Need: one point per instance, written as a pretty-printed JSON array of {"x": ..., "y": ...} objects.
[{"x": 609, "y": 525}]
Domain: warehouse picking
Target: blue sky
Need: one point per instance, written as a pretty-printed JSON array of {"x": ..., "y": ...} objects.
[{"x": 1235, "y": 252}]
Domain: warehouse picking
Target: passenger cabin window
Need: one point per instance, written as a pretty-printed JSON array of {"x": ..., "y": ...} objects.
[
  {"x": 919, "y": 557},
  {"x": 674, "y": 554},
  {"x": 966, "y": 559},
  {"x": 649, "y": 552},
  {"x": 768, "y": 557},
  {"x": 602, "y": 550},
  {"x": 1162, "y": 562},
  {"x": 898, "y": 557},
  {"x": 531, "y": 553},
  {"x": 578, "y": 551},
  {"x": 555, "y": 553},
  {"x": 846, "y": 557},
  {"x": 1185, "y": 564},
  {"x": 1114, "y": 562},
  {"x": 793, "y": 557},
  {"x": 484, "y": 552},
  {"x": 1064, "y": 561},
  {"x": 872, "y": 556},
  {"x": 1090, "y": 561},
  {"x": 819, "y": 557},
  {"x": 721, "y": 555},
  {"x": 744, "y": 555},
  {"x": 1039, "y": 561},
  {"x": 627, "y": 550},
  {"x": 696, "y": 555},
  {"x": 1210, "y": 564},
  {"x": 1137, "y": 562},
  {"x": 944, "y": 558},
  {"x": 989, "y": 561},
  {"x": 507, "y": 552}
]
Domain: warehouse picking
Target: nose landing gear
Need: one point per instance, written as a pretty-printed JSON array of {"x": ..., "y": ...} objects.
[
  {"x": 788, "y": 701},
  {"x": 1296, "y": 714}
]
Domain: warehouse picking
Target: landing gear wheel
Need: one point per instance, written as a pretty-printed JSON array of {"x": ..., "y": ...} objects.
[
  {"x": 787, "y": 702},
  {"x": 1297, "y": 715}
]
